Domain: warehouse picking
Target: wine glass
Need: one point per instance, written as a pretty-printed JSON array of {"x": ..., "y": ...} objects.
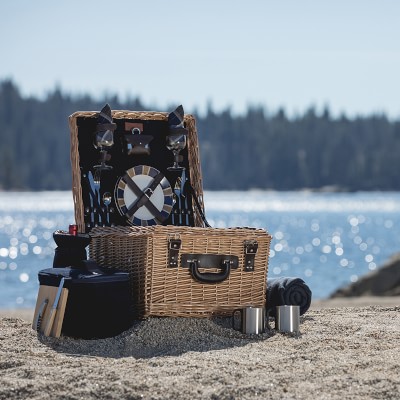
[
  {"x": 176, "y": 142},
  {"x": 103, "y": 141}
]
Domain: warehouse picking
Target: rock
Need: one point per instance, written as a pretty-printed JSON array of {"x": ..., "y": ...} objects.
[{"x": 384, "y": 281}]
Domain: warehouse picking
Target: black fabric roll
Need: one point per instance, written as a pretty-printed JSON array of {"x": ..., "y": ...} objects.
[{"x": 288, "y": 291}]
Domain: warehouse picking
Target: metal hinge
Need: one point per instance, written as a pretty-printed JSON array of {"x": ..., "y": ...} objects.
[
  {"x": 174, "y": 246},
  {"x": 250, "y": 251}
]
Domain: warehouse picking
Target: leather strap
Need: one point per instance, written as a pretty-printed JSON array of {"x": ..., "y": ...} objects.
[
  {"x": 144, "y": 196},
  {"x": 196, "y": 202}
]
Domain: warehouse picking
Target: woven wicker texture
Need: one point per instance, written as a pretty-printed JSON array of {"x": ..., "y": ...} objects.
[
  {"x": 193, "y": 156},
  {"x": 159, "y": 290}
]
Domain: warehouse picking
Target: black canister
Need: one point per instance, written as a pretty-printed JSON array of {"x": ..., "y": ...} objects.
[{"x": 71, "y": 249}]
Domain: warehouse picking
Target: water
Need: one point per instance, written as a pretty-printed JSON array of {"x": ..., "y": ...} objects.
[{"x": 327, "y": 239}]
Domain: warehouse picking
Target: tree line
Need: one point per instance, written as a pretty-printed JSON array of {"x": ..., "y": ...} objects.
[{"x": 238, "y": 152}]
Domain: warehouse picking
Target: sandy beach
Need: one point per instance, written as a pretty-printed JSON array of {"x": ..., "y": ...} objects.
[{"x": 342, "y": 353}]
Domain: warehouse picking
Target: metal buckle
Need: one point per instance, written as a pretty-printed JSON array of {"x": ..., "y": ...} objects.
[{"x": 148, "y": 193}]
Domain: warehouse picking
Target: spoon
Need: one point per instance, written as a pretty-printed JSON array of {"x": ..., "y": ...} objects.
[{"x": 107, "y": 198}]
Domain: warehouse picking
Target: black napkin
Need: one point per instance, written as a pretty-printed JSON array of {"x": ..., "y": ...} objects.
[
  {"x": 288, "y": 291},
  {"x": 176, "y": 117},
  {"x": 105, "y": 127},
  {"x": 104, "y": 116}
]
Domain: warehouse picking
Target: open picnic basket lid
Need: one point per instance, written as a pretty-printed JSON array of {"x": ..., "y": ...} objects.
[{"x": 129, "y": 171}]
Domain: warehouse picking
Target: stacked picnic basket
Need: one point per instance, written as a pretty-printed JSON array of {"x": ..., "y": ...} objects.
[{"x": 138, "y": 194}]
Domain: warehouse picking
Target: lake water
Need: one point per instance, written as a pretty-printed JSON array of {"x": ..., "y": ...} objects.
[{"x": 327, "y": 239}]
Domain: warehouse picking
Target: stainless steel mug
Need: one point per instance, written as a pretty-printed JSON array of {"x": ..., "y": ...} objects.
[
  {"x": 287, "y": 319},
  {"x": 252, "y": 320}
]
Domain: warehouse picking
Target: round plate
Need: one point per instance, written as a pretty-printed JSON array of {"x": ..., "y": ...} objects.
[{"x": 161, "y": 197}]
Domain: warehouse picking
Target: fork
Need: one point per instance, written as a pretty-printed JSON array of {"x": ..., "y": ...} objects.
[
  {"x": 177, "y": 192},
  {"x": 96, "y": 183},
  {"x": 184, "y": 197}
]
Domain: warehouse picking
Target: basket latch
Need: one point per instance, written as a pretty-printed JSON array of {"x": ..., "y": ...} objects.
[
  {"x": 250, "y": 251},
  {"x": 173, "y": 252}
]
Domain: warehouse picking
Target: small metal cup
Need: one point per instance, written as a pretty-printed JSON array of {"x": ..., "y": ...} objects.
[
  {"x": 252, "y": 320},
  {"x": 287, "y": 319}
]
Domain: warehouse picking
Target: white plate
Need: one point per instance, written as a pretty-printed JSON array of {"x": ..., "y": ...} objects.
[{"x": 162, "y": 198}]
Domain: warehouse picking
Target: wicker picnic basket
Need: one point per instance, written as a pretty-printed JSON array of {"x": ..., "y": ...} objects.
[
  {"x": 83, "y": 124},
  {"x": 187, "y": 271}
]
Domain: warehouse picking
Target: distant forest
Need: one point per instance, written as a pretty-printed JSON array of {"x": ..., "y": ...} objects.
[{"x": 255, "y": 150}]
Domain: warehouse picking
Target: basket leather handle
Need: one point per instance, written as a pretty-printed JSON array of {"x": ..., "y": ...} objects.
[
  {"x": 206, "y": 277},
  {"x": 196, "y": 261}
]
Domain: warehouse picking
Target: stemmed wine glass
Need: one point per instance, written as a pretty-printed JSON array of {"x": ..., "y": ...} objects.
[
  {"x": 103, "y": 141},
  {"x": 176, "y": 142}
]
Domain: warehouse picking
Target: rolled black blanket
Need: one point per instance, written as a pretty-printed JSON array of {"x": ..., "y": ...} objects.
[{"x": 287, "y": 291}]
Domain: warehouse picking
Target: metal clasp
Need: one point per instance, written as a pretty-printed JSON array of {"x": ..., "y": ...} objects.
[
  {"x": 173, "y": 253},
  {"x": 250, "y": 251},
  {"x": 148, "y": 193}
]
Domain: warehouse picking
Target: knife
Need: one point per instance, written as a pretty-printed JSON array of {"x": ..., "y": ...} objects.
[
  {"x": 39, "y": 317},
  {"x": 91, "y": 201},
  {"x": 183, "y": 184},
  {"x": 177, "y": 192},
  {"x": 53, "y": 309}
]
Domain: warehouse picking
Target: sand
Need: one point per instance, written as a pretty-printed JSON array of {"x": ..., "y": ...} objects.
[{"x": 341, "y": 353}]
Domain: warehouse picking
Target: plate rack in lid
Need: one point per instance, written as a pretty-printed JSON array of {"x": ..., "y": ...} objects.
[{"x": 94, "y": 206}]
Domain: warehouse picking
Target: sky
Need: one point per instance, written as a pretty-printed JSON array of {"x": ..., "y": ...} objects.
[{"x": 344, "y": 54}]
